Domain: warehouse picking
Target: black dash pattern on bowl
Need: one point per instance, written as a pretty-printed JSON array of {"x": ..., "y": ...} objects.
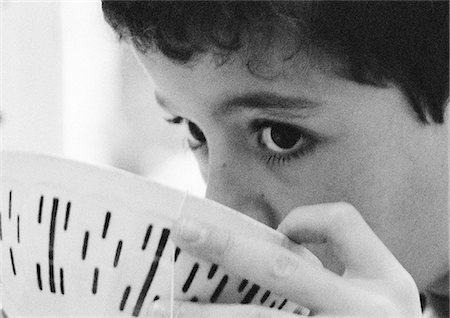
[{"x": 66, "y": 219}]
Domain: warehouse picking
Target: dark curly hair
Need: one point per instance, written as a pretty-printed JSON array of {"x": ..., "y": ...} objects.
[{"x": 377, "y": 42}]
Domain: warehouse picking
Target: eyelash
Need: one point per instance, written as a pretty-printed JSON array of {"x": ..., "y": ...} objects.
[
  {"x": 274, "y": 158},
  {"x": 281, "y": 159}
]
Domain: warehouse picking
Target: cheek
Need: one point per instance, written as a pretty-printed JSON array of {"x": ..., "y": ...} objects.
[{"x": 371, "y": 178}]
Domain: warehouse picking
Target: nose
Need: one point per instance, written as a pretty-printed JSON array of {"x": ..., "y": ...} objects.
[{"x": 238, "y": 184}]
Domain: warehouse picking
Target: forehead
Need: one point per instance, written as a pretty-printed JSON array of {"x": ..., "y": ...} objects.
[{"x": 207, "y": 81}]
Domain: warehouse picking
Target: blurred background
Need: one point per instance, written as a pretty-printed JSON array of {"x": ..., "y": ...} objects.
[{"x": 69, "y": 88}]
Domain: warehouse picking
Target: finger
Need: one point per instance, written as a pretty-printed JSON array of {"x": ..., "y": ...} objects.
[
  {"x": 273, "y": 267},
  {"x": 341, "y": 225},
  {"x": 183, "y": 227},
  {"x": 180, "y": 309}
]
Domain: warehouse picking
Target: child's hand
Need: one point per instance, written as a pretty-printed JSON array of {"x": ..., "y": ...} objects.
[{"x": 374, "y": 282}]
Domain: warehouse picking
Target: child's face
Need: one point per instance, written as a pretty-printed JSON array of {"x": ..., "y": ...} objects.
[{"x": 307, "y": 137}]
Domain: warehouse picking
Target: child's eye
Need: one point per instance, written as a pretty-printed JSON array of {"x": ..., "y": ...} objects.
[
  {"x": 197, "y": 135},
  {"x": 283, "y": 142},
  {"x": 282, "y": 138},
  {"x": 197, "y": 139}
]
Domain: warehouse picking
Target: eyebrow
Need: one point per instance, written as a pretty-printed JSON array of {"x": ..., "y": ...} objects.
[
  {"x": 264, "y": 100},
  {"x": 258, "y": 100}
]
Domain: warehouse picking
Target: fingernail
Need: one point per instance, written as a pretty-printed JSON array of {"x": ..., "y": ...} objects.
[
  {"x": 302, "y": 311},
  {"x": 159, "y": 311},
  {"x": 305, "y": 311},
  {"x": 285, "y": 265},
  {"x": 191, "y": 231}
]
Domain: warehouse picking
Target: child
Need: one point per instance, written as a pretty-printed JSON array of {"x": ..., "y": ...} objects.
[{"x": 293, "y": 108}]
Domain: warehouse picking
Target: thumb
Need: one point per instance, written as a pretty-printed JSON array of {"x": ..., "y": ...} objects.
[{"x": 341, "y": 226}]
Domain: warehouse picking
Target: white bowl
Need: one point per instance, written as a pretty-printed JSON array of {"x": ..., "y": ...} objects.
[{"x": 77, "y": 239}]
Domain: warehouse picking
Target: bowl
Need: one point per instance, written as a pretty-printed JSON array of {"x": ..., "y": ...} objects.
[{"x": 78, "y": 239}]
